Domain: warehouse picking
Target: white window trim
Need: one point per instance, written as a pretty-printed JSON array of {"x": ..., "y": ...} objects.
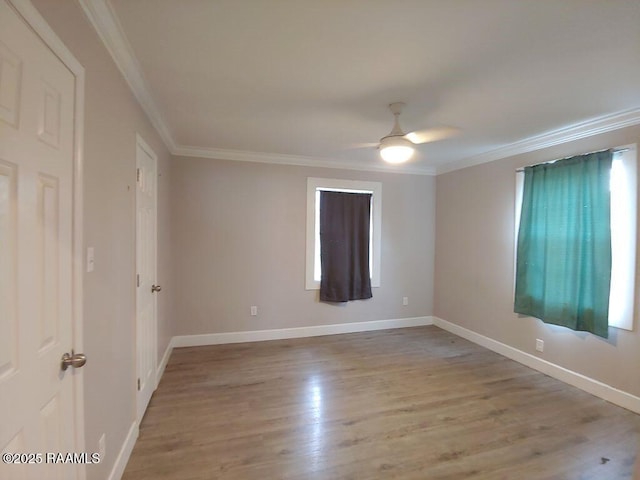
[
  {"x": 622, "y": 295},
  {"x": 314, "y": 183}
]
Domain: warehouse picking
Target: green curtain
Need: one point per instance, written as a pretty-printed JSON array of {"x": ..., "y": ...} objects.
[{"x": 563, "y": 266}]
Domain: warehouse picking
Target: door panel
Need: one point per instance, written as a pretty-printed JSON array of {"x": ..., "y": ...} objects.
[
  {"x": 36, "y": 203},
  {"x": 8, "y": 278},
  {"x": 11, "y": 68},
  {"x": 146, "y": 238},
  {"x": 47, "y": 261}
]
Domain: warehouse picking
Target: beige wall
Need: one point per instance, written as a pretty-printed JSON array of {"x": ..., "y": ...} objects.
[
  {"x": 238, "y": 233},
  {"x": 474, "y": 268},
  {"x": 112, "y": 119}
]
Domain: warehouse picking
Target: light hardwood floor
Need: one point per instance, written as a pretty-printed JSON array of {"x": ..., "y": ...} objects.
[{"x": 412, "y": 403}]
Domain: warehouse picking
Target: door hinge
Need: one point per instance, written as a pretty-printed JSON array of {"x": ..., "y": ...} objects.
[
  {"x": 138, "y": 279},
  {"x": 138, "y": 384},
  {"x": 138, "y": 175}
]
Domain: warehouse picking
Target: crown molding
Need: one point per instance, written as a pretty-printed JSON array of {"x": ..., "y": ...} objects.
[
  {"x": 106, "y": 24},
  {"x": 298, "y": 160},
  {"x": 580, "y": 130}
]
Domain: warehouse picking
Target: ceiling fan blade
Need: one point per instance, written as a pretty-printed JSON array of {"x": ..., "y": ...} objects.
[
  {"x": 364, "y": 145},
  {"x": 432, "y": 134}
]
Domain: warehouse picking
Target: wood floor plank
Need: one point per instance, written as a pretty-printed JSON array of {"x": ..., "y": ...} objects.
[{"x": 412, "y": 403}]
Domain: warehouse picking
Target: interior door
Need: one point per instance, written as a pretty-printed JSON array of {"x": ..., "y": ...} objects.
[
  {"x": 36, "y": 213},
  {"x": 146, "y": 290}
]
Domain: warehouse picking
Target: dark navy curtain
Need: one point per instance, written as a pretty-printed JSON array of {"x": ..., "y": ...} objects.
[{"x": 344, "y": 246}]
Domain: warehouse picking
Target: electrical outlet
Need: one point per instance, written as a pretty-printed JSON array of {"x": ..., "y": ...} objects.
[
  {"x": 102, "y": 447},
  {"x": 405, "y": 300},
  {"x": 254, "y": 311},
  {"x": 539, "y": 345}
]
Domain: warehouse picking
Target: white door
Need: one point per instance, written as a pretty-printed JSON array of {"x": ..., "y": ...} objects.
[
  {"x": 146, "y": 291},
  {"x": 36, "y": 274}
]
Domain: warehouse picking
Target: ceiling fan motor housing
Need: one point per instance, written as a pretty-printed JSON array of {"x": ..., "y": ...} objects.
[{"x": 396, "y": 149}]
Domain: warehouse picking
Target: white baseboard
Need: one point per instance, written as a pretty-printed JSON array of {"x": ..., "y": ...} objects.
[
  {"x": 284, "y": 333},
  {"x": 594, "y": 387},
  {"x": 125, "y": 452},
  {"x": 163, "y": 362}
]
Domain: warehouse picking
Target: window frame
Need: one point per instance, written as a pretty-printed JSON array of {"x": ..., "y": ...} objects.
[
  {"x": 625, "y": 319},
  {"x": 341, "y": 185}
]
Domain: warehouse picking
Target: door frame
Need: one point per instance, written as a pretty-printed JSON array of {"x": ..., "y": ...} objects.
[
  {"x": 34, "y": 19},
  {"x": 140, "y": 143}
]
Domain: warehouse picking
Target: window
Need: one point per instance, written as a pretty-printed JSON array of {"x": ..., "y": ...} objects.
[
  {"x": 314, "y": 186},
  {"x": 623, "y": 188}
]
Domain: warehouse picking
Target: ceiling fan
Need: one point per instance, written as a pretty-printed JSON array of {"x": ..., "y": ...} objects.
[{"x": 398, "y": 147}]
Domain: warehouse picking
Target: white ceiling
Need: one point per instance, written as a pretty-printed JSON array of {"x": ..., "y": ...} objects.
[{"x": 307, "y": 81}]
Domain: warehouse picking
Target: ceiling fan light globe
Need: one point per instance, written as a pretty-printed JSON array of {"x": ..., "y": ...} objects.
[
  {"x": 396, "y": 153},
  {"x": 396, "y": 149}
]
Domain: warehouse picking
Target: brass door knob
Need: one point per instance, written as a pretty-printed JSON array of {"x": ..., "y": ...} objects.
[
  {"x": 75, "y": 360},
  {"x": 155, "y": 288}
]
